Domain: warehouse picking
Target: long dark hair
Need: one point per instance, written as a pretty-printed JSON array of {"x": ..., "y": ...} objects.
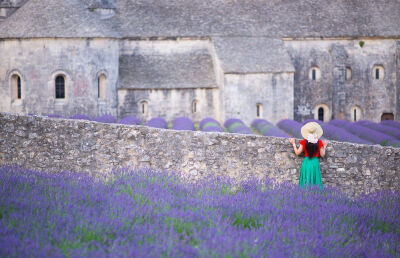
[{"x": 311, "y": 148}]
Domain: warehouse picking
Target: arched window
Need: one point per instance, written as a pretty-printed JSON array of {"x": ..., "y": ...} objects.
[
  {"x": 143, "y": 106},
  {"x": 355, "y": 113},
  {"x": 322, "y": 113},
  {"x": 101, "y": 86},
  {"x": 259, "y": 110},
  {"x": 60, "y": 87},
  {"x": 348, "y": 74},
  {"x": 378, "y": 72},
  {"x": 16, "y": 87},
  {"x": 195, "y": 106},
  {"x": 315, "y": 74}
]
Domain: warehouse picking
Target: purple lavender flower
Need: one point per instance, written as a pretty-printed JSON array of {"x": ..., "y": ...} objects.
[
  {"x": 234, "y": 125},
  {"x": 157, "y": 122},
  {"x": 332, "y": 132},
  {"x": 381, "y": 128},
  {"x": 230, "y": 121},
  {"x": 210, "y": 125},
  {"x": 55, "y": 116},
  {"x": 213, "y": 129},
  {"x": 183, "y": 123},
  {"x": 291, "y": 127},
  {"x": 146, "y": 213},
  {"x": 267, "y": 129},
  {"x": 105, "y": 119},
  {"x": 391, "y": 123},
  {"x": 363, "y": 132},
  {"x": 82, "y": 117},
  {"x": 130, "y": 120}
]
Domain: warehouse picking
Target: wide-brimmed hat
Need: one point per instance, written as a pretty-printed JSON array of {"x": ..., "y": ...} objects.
[{"x": 312, "y": 131}]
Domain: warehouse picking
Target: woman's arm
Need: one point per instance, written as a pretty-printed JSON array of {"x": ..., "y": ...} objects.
[
  {"x": 299, "y": 150},
  {"x": 323, "y": 149}
]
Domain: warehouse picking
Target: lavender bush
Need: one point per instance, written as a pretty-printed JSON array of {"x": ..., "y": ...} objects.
[
  {"x": 157, "y": 122},
  {"x": 210, "y": 125},
  {"x": 364, "y": 132},
  {"x": 291, "y": 127},
  {"x": 392, "y": 131},
  {"x": 144, "y": 213},
  {"x": 266, "y": 128},
  {"x": 105, "y": 119},
  {"x": 391, "y": 123},
  {"x": 130, "y": 120},
  {"x": 55, "y": 116},
  {"x": 234, "y": 125},
  {"x": 82, "y": 117},
  {"x": 332, "y": 132},
  {"x": 183, "y": 123}
]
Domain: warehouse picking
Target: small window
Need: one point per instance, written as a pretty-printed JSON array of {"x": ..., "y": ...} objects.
[
  {"x": 19, "y": 88},
  {"x": 356, "y": 113},
  {"x": 101, "y": 87},
  {"x": 378, "y": 72},
  {"x": 321, "y": 114},
  {"x": 16, "y": 87},
  {"x": 259, "y": 110},
  {"x": 195, "y": 106},
  {"x": 143, "y": 106},
  {"x": 60, "y": 87},
  {"x": 348, "y": 74},
  {"x": 315, "y": 74}
]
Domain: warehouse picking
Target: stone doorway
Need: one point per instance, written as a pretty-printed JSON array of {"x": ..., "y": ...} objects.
[{"x": 387, "y": 116}]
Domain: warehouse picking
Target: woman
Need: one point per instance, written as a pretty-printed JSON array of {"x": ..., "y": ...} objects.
[{"x": 310, "y": 173}]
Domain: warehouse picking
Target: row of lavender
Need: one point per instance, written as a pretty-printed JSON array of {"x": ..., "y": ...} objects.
[
  {"x": 145, "y": 213},
  {"x": 363, "y": 132},
  {"x": 386, "y": 133},
  {"x": 233, "y": 125}
]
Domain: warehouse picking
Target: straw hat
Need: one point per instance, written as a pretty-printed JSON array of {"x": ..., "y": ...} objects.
[{"x": 312, "y": 131}]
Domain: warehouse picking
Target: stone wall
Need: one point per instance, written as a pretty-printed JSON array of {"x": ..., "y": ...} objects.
[{"x": 57, "y": 144}]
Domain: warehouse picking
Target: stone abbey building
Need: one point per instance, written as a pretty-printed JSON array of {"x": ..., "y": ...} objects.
[{"x": 271, "y": 59}]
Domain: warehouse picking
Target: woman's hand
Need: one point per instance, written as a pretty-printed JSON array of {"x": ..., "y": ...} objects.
[
  {"x": 325, "y": 143},
  {"x": 292, "y": 141}
]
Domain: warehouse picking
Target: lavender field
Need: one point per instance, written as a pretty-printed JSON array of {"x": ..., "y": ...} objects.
[
  {"x": 144, "y": 213},
  {"x": 385, "y": 133}
]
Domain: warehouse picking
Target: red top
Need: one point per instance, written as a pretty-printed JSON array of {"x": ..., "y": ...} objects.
[{"x": 303, "y": 143}]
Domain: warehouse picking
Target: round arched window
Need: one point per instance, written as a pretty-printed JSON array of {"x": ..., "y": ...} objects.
[
  {"x": 16, "y": 87},
  {"x": 102, "y": 86},
  {"x": 378, "y": 72},
  {"x": 322, "y": 113},
  {"x": 314, "y": 73},
  {"x": 355, "y": 114},
  {"x": 60, "y": 87}
]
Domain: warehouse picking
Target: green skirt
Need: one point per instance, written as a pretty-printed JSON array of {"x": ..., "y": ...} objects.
[{"x": 310, "y": 173}]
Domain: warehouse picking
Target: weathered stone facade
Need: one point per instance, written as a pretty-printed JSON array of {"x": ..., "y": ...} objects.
[
  {"x": 373, "y": 96},
  {"x": 58, "y": 144},
  {"x": 80, "y": 61},
  {"x": 244, "y": 59}
]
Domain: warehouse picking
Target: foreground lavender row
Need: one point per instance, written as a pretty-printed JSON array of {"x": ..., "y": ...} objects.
[{"x": 145, "y": 213}]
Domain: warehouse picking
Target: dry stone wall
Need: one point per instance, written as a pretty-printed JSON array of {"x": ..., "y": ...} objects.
[{"x": 57, "y": 144}]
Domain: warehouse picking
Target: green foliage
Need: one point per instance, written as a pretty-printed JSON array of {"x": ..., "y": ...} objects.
[
  {"x": 252, "y": 222},
  {"x": 361, "y": 43}
]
